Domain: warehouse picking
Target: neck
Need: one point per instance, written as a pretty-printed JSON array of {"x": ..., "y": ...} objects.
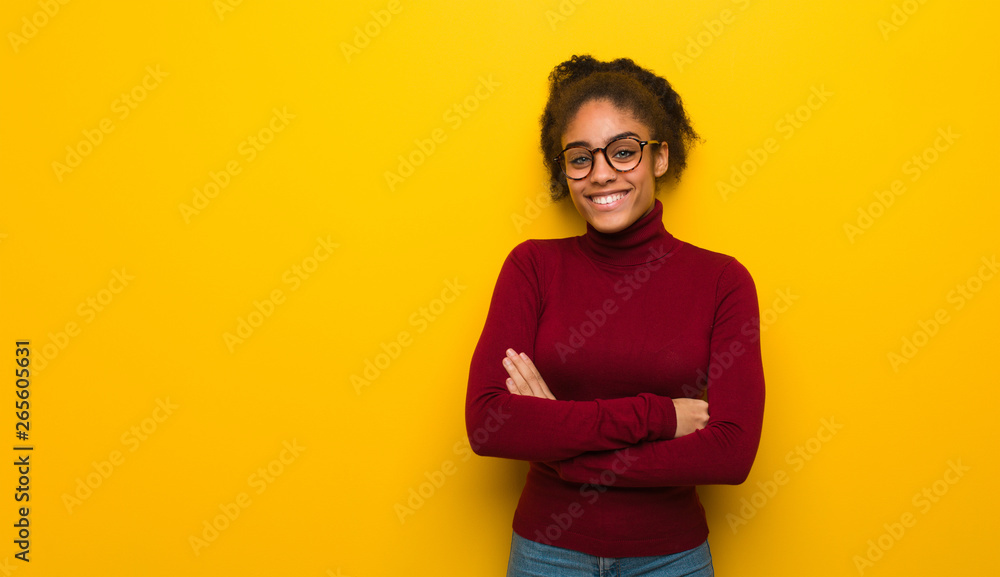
[{"x": 643, "y": 241}]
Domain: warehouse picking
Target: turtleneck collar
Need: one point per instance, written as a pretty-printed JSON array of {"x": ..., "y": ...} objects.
[{"x": 644, "y": 241}]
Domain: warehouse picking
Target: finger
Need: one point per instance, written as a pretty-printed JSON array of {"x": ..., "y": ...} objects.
[
  {"x": 529, "y": 373},
  {"x": 525, "y": 360},
  {"x": 516, "y": 380},
  {"x": 534, "y": 371},
  {"x": 519, "y": 370}
]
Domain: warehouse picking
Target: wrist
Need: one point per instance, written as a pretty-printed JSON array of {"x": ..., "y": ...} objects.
[{"x": 662, "y": 417}]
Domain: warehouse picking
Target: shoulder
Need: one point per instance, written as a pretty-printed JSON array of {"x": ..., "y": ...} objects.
[
  {"x": 724, "y": 268},
  {"x": 539, "y": 251},
  {"x": 536, "y": 261}
]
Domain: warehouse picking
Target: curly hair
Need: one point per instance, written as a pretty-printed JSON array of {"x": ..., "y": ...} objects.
[{"x": 649, "y": 98}]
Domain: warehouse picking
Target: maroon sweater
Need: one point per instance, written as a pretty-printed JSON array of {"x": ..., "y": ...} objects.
[{"x": 617, "y": 325}]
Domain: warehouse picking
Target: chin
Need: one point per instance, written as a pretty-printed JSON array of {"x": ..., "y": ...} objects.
[
  {"x": 617, "y": 220},
  {"x": 608, "y": 223}
]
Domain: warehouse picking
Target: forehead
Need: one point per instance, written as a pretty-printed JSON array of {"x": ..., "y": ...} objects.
[{"x": 598, "y": 121}]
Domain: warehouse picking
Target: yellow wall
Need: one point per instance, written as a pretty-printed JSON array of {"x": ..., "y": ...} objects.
[{"x": 171, "y": 171}]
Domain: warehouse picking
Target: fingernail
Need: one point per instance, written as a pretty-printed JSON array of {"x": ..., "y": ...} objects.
[
  {"x": 511, "y": 353},
  {"x": 524, "y": 356},
  {"x": 506, "y": 362}
]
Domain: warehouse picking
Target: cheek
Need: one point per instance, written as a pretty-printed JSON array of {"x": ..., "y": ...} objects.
[
  {"x": 643, "y": 181},
  {"x": 650, "y": 177},
  {"x": 579, "y": 202}
]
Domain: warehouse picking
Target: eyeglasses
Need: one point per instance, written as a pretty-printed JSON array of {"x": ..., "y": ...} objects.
[{"x": 623, "y": 154}]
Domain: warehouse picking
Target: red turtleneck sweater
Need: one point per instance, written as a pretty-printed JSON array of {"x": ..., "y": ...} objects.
[{"x": 617, "y": 325}]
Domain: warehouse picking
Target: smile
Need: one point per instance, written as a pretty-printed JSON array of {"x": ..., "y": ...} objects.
[{"x": 608, "y": 200}]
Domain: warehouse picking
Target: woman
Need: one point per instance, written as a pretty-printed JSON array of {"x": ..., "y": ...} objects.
[{"x": 598, "y": 349}]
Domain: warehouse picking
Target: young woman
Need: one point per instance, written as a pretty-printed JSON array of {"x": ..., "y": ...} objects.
[{"x": 598, "y": 349}]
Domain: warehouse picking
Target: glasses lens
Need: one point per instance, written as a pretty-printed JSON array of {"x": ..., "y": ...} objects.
[
  {"x": 625, "y": 154},
  {"x": 577, "y": 162}
]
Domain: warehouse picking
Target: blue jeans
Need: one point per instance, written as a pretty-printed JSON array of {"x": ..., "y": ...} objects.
[{"x": 531, "y": 559}]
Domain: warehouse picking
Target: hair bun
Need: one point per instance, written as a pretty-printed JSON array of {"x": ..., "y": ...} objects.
[{"x": 625, "y": 83}]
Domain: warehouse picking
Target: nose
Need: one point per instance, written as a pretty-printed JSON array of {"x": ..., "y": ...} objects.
[{"x": 602, "y": 172}]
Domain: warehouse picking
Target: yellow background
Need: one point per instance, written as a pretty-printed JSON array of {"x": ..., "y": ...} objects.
[{"x": 353, "y": 103}]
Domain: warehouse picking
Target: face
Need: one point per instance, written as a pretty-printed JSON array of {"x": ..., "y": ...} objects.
[{"x": 610, "y": 200}]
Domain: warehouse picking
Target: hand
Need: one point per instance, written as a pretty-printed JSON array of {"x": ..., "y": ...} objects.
[
  {"x": 692, "y": 415},
  {"x": 524, "y": 378}
]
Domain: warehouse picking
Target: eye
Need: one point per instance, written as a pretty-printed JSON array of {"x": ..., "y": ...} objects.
[{"x": 577, "y": 158}]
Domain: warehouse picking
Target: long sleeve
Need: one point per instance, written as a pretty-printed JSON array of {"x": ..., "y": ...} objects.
[
  {"x": 723, "y": 452},
  {"x": 500, "y": 424}
]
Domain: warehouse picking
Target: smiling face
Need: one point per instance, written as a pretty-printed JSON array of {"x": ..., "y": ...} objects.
[{"x": 607, "y": 199}]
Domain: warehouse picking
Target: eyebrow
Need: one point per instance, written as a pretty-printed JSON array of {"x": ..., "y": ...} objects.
[{"x": 586, "y": 144}]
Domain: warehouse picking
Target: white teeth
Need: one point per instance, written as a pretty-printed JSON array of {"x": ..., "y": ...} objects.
[{"x": 608, "y": 199}]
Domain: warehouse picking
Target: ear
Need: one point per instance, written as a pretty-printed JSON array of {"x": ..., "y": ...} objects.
[{"x": 661, "y": 160}]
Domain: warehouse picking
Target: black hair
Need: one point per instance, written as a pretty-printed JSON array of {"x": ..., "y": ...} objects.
[{"x": 649, "y": 98}]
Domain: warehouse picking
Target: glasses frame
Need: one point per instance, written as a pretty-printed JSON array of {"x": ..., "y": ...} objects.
[{"x": 603, "y": 150}]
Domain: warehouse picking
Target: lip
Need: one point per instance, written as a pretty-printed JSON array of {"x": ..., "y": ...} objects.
[{"x": 611, "y": 206}]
